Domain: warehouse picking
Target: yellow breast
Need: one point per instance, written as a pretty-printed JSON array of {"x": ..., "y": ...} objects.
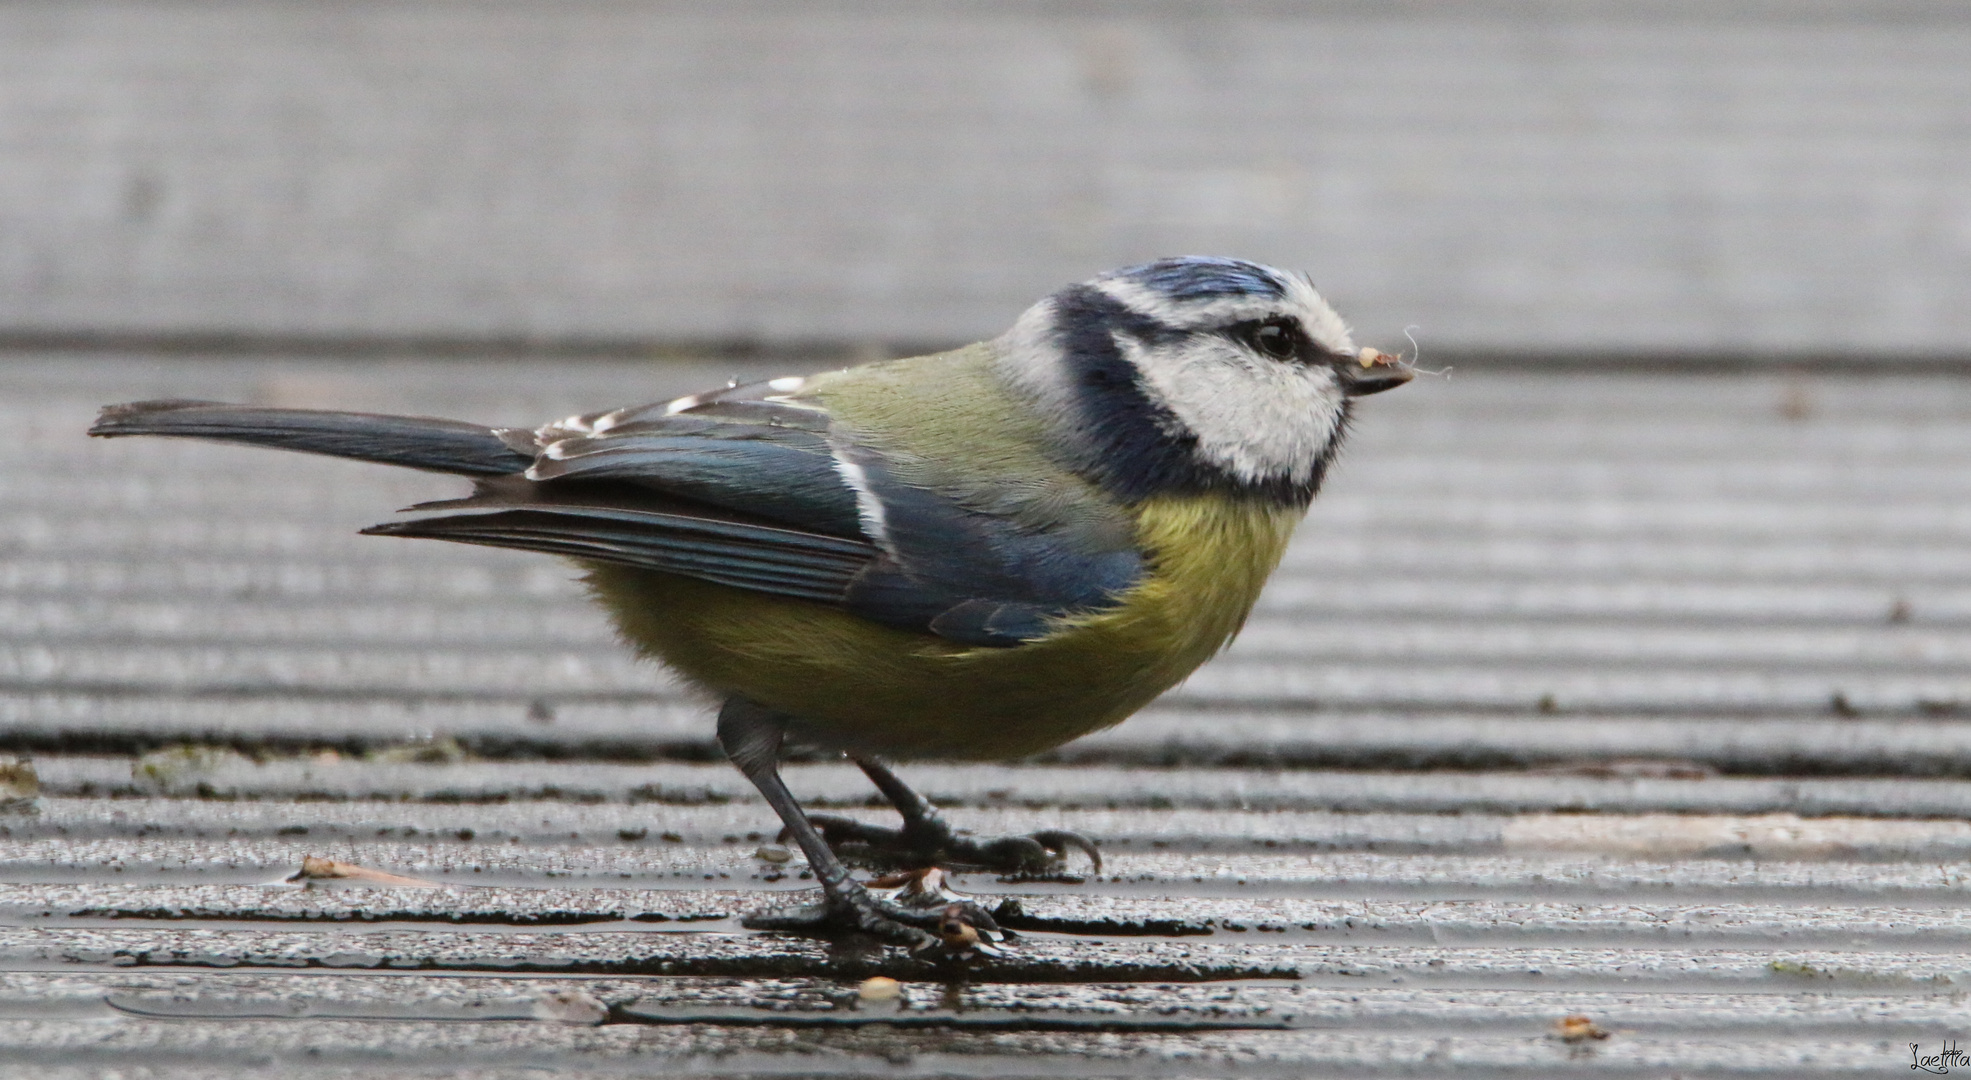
[{"x": 895, "y": 693}]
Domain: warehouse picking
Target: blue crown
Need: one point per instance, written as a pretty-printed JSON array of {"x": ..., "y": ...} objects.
[{"x": 1205, "y": 277}]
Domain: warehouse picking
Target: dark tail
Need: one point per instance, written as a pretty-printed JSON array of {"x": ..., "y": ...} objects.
[{"x": 416, "y": 442}]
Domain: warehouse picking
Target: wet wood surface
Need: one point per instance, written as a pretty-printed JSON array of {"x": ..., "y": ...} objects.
[{"x": 1643, "y": 700}]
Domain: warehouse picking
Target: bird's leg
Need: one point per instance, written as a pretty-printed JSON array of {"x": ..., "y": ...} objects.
[
  {"x": 751, "y": 737},
  {"x": 926, "y": 839}
]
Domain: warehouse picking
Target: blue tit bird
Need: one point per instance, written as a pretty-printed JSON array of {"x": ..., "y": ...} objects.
[{"x": 976, "y": 554}]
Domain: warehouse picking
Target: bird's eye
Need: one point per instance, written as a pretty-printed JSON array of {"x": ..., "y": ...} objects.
[{"x": 1273, "y": 339}]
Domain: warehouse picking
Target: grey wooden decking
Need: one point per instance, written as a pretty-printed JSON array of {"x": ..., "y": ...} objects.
[{"x": 1645, "y": 697}]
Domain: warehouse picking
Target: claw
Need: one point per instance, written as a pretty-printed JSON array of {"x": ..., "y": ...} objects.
[
  {"x": 1019, "y": 854},
  {"x": 958, "y": 927},
  {"x": 1059, "y": 841},
  {"x": 930, "y": 841},
  {"x": 1039, "y": 853},
  {"x": 825, "y": 919}
]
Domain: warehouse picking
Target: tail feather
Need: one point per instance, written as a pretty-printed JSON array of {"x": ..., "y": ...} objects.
[{"x": 417, "y": 442}]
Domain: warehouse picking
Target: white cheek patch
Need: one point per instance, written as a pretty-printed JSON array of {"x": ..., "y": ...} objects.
[{"x": 1259, "y": 420}]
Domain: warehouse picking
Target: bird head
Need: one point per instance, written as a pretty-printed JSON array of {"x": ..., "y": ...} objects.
[{"x": 1194, "y": 374}]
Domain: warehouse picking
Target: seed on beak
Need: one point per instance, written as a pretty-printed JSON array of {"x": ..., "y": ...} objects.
[{"x": 1379, "y": 371}]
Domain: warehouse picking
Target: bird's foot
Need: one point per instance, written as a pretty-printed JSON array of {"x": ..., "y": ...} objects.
[
  {"x": 923, "y": 916},
  {"x": 927, "y": 842}
]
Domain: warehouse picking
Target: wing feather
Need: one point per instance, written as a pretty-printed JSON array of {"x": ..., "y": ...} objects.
[{"x": 763, "y": 558}]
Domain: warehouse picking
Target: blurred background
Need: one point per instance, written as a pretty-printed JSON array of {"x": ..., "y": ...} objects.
[{"x": 1776, "y": 179}]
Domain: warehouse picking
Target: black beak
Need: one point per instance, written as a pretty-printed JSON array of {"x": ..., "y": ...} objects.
[{"x": 1372, "y": 372}]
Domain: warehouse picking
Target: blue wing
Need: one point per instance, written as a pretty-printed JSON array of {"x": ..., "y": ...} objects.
[
  {"x": 754, "y": 488},
  {"x": 976, "y": 577},
  {"x": 751, "y": 455}
]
